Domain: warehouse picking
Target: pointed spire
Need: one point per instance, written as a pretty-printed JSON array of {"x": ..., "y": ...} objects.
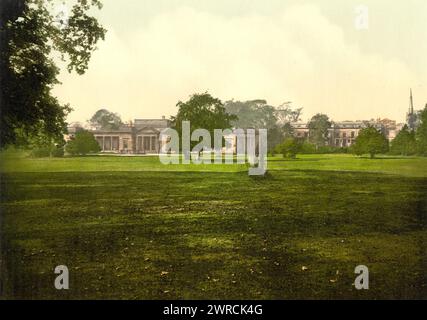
[{"x": 411, "y": 103}]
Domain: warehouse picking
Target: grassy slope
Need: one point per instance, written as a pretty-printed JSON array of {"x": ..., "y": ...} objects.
[{"x": 119, "y": 223}]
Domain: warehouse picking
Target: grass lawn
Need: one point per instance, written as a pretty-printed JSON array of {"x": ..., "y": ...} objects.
[{"x": 130, "y": 227}]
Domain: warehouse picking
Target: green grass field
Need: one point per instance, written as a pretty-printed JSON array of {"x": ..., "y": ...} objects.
[{"x": 130, "y": 227}]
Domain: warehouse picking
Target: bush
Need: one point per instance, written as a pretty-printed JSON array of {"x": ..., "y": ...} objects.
[
  {"x": 41, "y": 151},
  {"x": 370, "y": 141},
  {"x": 310, "y": 148},
  {"x": 404, "y": 144},
  {"x": 83, "y": 143},
  {"x": 58, "y": 152},
  {"x": 288, "y": 148}
]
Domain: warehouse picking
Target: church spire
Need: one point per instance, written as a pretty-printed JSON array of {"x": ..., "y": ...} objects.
[{"x": 411, "y": 103}]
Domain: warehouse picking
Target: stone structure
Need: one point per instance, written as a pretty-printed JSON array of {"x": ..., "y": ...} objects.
[
  {"x": 141, "y": 137},
  {"x": 344, "y": 133}
]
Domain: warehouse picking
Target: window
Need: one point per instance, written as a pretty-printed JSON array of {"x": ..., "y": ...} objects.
[
  {"x": 344, "y": 134},
  {"x": 352, "y": 134},
  {"x": 125, "y": 144}
]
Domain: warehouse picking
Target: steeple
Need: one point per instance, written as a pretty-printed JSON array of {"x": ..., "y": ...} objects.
[{"x": 410, "y": 116}]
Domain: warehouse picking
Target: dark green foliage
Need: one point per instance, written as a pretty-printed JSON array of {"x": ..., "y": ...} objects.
[
  {"x": 370, "y": 141},
  {"x": 58, "y": 151},
  {"x": 255, "y": 114},
  {"x": 404, "y": 144},
  {"x": 288, "y": 148},
  {"x": 47, "y": 150},
  {"x": 29, "y": 38},
  {"x": 258, "y": 114},
  {"x": 421, "y": 135},
  {"x": 318, "y": 129},
  {"x": 83, "y": 143},
  {"x": 106, "y": 120},
  {"x": 41, "y": 151},
  {"x": 310, "y": 148},
  {"x": 204, "y": 112}
]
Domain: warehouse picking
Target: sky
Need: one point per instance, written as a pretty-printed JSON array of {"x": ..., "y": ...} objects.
[{"x": 351, "y": 60}]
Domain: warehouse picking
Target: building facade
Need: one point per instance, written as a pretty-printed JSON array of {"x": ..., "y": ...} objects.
[
  {"x": 344, "y": 133},
  {"x": 140, "y": 137}
]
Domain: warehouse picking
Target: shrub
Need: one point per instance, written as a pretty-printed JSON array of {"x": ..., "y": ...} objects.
[
  {"x": 83, "y": 143},
  {"x": 57, "y": 151},
  {"x": 370, "y": 141},
  {"x": 288, "y": 148},
  {"x": 41, "y": 151}
]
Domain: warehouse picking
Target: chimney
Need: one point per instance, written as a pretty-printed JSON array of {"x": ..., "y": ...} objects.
[{"x": 163, "y": 117}]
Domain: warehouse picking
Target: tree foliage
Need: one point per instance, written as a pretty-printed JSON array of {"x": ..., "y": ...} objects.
[
  {"x": 204, "y": 112},
  {"x": 29, "y": 35},
  {"x": 289, "y": 148},
  {"x": 421, "y": 135},
  {"x": 83, "y": 143},
  {"x": 286, "y": 114},
  {"x": 256, "y": 114},
  {"x": 106, "y": 120},
  {"x": 404, "y": 143},
  {"x": 370, "y": 141},
  {"x": 318, "y": 129}
]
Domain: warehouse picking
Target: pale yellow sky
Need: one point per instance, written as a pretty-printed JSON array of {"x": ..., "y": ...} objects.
[{"x": 309, "y": 52}]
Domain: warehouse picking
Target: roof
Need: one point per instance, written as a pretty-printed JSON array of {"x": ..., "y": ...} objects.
[
  {"x": 122, "y": 129},
  {"x": 152, "y": 123}
]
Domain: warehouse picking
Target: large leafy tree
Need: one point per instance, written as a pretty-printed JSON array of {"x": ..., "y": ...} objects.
[
  {"x": 318, "y": 129},
  {"x": 370, "y": 141},
  {"x": 105, "y": 119},
  {"x": 421, "y": 134},
  {"x": 30, "y": 34},
  {"x": 404, "y": 144},
  {"x": 204, "y": 112},
  {"x": 259, "y": 114},
  {"x": 255, "y": 114}
]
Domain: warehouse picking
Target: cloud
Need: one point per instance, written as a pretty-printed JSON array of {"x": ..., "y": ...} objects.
[{"x": 295, "y": 55}]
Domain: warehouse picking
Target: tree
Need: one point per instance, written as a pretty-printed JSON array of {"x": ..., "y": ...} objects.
[
  {"x": 258, "y": 114},
  {"x": 274, "y": 137},
  {"x": 106, "y": 120},
  {"x": 83, "y": 143},
  {"x": 285, "y": 114},
  {"x": 318, "y": 129},
  {"x": 44, "y": 146},
  {"x": 255, "y": 114},
  {"x": 370, "y": 141},
  {"x": 288, "y": 148},
  {"x": 404, "y": 143},
  {"x": 421, "y": 134},
  {"x": 204, "y": 112},
  {"x": 29, "y": 36}
]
